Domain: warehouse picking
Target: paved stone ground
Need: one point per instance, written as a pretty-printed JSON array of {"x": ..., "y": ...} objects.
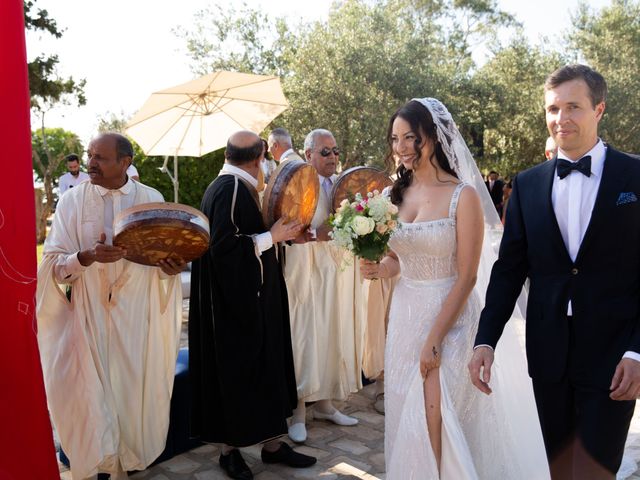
[{"x": 343, "y": 453}]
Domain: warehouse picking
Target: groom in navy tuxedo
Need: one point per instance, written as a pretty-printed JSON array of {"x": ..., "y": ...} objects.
[{"x": 573, "y": 228}]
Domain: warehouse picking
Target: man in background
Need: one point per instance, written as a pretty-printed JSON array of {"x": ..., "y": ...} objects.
[
  {"x": 281, "y": 146},
  {"x": 74, "y": 176},
  {"x": 495, "y": 187}
]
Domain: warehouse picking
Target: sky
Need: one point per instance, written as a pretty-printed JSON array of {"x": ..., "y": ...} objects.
[{"x": 126, "y": 49}]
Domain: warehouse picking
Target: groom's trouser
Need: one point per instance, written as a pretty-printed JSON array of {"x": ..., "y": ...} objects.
[{"x": 584, "y": 430}]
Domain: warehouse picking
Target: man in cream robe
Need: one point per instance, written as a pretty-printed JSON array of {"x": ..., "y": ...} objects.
[
  {"x": 327, "y": 304},
  {"x": 109, "y": 351}
]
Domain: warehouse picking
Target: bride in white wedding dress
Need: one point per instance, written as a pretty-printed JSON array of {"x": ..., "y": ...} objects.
[{"x": 437, "y": 424}]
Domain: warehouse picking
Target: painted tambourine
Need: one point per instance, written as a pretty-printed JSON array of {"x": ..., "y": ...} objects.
[
  {"x": 292, "y": 192},
  {"x": 358, "y": 180},
  {"x": 155, "y": 231}
]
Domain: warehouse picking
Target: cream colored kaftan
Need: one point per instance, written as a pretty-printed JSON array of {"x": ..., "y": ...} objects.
[
  {"x": 380, "y": 292},
  {"x": 327, "y": 305},
  {"x": 109, "y": 354}
]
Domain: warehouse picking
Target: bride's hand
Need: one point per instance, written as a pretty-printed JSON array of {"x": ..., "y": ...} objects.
[
  {"x": 430, "y": 356},
  {"x": 372, "y": 270}
]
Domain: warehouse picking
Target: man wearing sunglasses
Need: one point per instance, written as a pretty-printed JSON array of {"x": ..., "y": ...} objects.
[{"x": 323, "y": 296}]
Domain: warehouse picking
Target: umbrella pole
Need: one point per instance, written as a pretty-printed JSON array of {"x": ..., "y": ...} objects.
[{"x": 175, "y": 178}]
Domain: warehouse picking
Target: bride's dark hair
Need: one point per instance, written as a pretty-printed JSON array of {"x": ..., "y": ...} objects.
[{"x": 420, "y": 120}]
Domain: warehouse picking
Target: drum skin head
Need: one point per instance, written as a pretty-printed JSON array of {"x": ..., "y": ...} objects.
[
  {"x": 155, "y": 231},
  {"x": 293, "y": 192},
  {"x": 358, "y": 180}
]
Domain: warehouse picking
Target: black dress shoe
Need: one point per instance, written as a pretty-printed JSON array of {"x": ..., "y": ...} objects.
[
  {"x": 286, "y": 455},
  {"x": 234, "y": 465}
]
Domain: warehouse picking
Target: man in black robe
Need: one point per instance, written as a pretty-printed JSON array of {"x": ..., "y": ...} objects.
[{"x": 241, "y": 362}]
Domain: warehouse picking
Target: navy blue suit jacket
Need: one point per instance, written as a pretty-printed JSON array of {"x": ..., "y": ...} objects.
[{"x": 603, "y": 283}]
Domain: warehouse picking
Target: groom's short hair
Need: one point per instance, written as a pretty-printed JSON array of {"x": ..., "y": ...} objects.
[{"x": 596, "y": 82}]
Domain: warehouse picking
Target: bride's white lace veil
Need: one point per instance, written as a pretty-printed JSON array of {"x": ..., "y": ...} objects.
[{"x": 510, "y": 381}]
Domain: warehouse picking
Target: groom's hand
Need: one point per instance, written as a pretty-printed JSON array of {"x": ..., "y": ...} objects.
[
  {"x": 626, "y": 380},
  {"x": 482, "y": 360}
]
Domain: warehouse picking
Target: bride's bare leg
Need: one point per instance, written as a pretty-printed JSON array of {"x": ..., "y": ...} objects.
[{"x": 434, "y": 414}]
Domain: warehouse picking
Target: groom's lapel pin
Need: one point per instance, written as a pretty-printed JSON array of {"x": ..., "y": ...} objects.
[{"x": 626, "y": 197}]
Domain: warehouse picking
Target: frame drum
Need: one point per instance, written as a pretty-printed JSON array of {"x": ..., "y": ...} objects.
[
  {"x": 154, "y": 231},
  {"x": 358, "y": 180},
  {"x": 292, "y": 192}
]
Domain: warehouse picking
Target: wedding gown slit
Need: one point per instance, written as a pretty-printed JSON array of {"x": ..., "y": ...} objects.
[
  {"x": 433, "y": 413},
  {"x": 476, "y": 437}
]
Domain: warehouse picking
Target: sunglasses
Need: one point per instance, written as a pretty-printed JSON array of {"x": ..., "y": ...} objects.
[{"x": 326, "y": 151}]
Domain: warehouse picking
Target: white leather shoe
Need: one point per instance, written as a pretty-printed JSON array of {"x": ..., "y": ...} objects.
[
  {"x": 298, "y": 432},
  {"x": 336, "y": 417}
]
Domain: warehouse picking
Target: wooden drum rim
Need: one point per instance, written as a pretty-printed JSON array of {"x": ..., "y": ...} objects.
[
  {"x": 349, "y": 172},
  {"x": 269, "y": 202}
]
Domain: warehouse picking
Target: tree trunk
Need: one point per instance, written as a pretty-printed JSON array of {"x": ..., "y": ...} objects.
[
  {"x": 47, "y": 180},
  {"x": 47, "y": 207},
  {"x": 41, "y": 228}
]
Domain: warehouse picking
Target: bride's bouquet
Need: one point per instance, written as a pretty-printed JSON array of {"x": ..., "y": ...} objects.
[{"x": 364, "y": 226}]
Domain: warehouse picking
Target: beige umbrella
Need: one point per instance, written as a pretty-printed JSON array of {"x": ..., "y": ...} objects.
[{"x": 197, "y": 117}]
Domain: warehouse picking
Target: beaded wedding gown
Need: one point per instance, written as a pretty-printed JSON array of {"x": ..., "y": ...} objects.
[{"x": 483, "y": 437}]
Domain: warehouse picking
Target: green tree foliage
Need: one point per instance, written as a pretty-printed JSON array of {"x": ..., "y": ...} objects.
[
  {"x": 239, "y": 39},
  {"x": 349, "y": 73},
  {"x": 59, "y": 143},
  {"x": 609, "y": 41},
  {"x": 46, "y": 86},
  {"x": 47, "y": 89},
  {"x": 509, "y": 108},
  {"x": 194, "y": 175},
  {"x": 49, "y": 147}
]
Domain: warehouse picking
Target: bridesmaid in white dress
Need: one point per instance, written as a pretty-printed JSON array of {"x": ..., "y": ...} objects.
[{"x": 437, "y": 425}]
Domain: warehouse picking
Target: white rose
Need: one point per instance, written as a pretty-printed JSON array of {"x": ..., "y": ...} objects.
[{"x": 362, "y": 225}]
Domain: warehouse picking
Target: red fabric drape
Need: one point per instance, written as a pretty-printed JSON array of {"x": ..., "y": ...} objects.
[{"x": 26, "y": 441}]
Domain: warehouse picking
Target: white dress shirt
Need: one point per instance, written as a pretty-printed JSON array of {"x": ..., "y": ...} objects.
[
  {"x": 68, "y": 181},
  {"x": 263, "y": 241},
  {"x": 573, "y": 199}
]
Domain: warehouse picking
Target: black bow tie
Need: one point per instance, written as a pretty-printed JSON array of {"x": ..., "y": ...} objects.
[{"x": 583, "y": 166}]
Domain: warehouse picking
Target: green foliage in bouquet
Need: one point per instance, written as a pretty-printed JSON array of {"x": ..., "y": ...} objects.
[{"x": 364, "y": 225}]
